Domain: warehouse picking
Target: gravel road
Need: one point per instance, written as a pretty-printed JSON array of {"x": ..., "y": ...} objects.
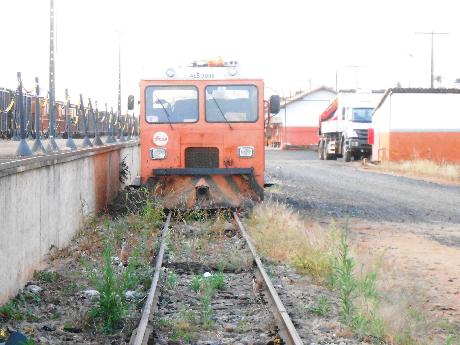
[{"x": 339, "y": 189}]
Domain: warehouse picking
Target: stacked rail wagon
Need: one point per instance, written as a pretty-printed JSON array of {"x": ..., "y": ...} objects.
[{"x": 413, "y": 124}]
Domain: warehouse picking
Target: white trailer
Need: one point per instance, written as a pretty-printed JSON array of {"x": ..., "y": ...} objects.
[{"x": 344, "y": 125}]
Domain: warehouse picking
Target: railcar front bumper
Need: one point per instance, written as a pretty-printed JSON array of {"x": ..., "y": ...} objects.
[{"x": 186, "y": 188}]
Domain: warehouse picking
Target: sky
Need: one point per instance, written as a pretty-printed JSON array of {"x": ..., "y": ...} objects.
[{"x": 292, "y": 44}]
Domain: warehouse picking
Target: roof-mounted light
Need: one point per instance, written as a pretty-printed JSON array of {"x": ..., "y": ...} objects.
[
  {"x": 170, "y": 72},
  {"x": 232, "y": 71},
  {"x": 217, "y": 62}
]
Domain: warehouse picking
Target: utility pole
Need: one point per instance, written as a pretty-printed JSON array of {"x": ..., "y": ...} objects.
[
  {"x": 52, "y": 146},
  {"x": 432, "y": 33},
  {"x": 121, "y": 124},
  {"x": 336, "y": 81}
]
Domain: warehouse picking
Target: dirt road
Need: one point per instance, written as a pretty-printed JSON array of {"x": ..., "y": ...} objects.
[
  {"x": 416, "y": 223},
  {"x": 338, "y": 189}
]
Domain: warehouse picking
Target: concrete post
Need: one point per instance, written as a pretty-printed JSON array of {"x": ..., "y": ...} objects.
[
  {"x": 38, "y": 145},
  {"x": 122, "y": 129},
  {"x": 97, "y": 140},
  {"x": 69, "y": 143},
  {"x": 111, "y": 137},
  {"x": 23, "y": 148},
  {"x": 128, "y": 118},
  {"x": 86, "y": 141}
]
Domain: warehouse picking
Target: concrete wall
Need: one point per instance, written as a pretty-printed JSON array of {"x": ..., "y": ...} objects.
[{"x": 44, "y": 201}]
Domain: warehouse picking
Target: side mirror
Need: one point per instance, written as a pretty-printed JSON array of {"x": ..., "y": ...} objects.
[
  {"x": 275, "y": 104},
  {"x": 130, "y": 102}
]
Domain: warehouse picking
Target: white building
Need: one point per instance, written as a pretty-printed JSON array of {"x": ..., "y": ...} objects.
[{"x": 296, "y": 125}]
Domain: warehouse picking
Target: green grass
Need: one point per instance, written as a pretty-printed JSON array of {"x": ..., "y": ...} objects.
[
  {"x": 207, "y": 288},
  {"x": 322, "y": 307},
  {"x": 218, "y": 281},
  {"x": 70, "y": 288},
  {"x": 221, "y": 266},
  {"x": 111, "y": 308},
  {"x": 358, "y": 294},
  {"x": 130, "y": 277},
  {"x": 180, "y": 334},
  {"x": 196, "y": 215},
  {"x": 171, "y": 279},
  {"x": 46, "y": 277},
  {"x": 11, "y": 311},
  {"x": 196, "y": 283},
  {"x": 453, "y": 339},
  {"x": 152, "y": 213},
  {"x": 179, "y": 329},
  {"x": 206, "y": 311},
  {"x": 21, "y": 308}
]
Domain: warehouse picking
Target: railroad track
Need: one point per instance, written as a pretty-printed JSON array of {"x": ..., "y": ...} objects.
[{"x": 250, "y": 290}]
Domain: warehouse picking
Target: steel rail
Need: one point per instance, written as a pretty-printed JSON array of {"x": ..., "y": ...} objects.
[
  {"x": 140, "y": 335},
  {"x": 281, "y": 313}
]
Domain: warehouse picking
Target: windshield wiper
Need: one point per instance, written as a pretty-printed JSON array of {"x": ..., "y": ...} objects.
[
  {"x": 166, "y": 111},
  {"x": 222, "y": 113}
]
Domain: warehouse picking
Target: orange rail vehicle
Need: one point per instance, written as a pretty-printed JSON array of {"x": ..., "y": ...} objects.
[{"x": 202, "y": 136}]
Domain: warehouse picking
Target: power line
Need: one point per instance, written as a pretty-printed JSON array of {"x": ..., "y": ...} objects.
[{"x": 432, "y": 33}]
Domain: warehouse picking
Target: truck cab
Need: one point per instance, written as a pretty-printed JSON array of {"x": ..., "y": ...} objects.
[{"x": 344, "y": 125}]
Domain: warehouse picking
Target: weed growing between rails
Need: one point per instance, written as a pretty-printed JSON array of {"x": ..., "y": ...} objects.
[
  {"x": 206, "y": 286},
  {"x": 119, "y": 285},
  {"x": 374, "y": 298},
  {"x": 207, "y": 293},
  {"x": 111, "y": 307}
]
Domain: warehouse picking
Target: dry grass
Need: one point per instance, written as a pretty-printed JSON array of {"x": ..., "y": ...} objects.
[
  {"x": 393, "y": 309},
  {"x": 424, "y": 168},
  {"x": 401, "y": 303},
  {"x": 281, "y": 234}
]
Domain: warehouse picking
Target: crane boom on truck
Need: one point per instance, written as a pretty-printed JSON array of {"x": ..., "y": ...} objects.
[{"x": 343, "y": 126}]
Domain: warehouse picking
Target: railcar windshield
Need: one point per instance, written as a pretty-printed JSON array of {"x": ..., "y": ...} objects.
[
  {"x": 171, "y": 104},
  {"x": 362, "y": 115},
  {"x": 231, "y": 103}
]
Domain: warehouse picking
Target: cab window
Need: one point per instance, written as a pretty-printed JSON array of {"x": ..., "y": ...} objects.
[
  {"x": 231, "y": 103},
  {"x": 362, "y": 115},
  {"x": 171, "y": 104}
]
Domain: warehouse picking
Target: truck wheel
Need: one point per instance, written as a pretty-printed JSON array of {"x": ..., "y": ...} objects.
[
  {"x": 325, "y": 154},
  {"x": 321, "y": 151},
  {"x": 346, "y": 154}
]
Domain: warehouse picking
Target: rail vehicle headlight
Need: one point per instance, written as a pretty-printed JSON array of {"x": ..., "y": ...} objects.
[
  {"x": 158, "y": 153},
  {"x": 170, "y": 72},
  {"x": 246, "y": 151}
]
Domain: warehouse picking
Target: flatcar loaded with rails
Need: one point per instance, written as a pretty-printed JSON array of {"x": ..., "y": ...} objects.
[{"x": 202, "y": 136}]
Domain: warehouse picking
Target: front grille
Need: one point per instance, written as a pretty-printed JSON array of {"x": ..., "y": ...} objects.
[
  {"x": 362, "y": 134},
  {"x": 201, "y": 157}
]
